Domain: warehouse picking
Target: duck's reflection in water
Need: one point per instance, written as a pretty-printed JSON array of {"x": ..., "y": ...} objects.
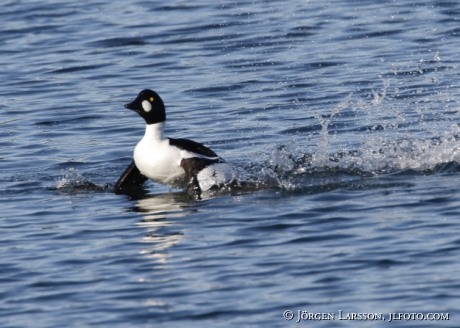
[{"x": 157, "y": 212}]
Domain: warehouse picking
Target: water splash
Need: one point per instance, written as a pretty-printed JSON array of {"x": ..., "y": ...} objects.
[
  {"x": 391, "y": 135},
  {"x": 73, "y": 181},
  {"x": 321, "y": 156}
]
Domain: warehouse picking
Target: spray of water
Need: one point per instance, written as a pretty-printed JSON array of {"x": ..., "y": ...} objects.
[
  {"x": 73, "y": 181},
  {"x": 393, "y": 137}
]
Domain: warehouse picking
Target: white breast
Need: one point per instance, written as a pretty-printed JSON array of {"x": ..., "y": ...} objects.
[
  {"x": 155, "y": 158},
  {"x": 159, "y": 161}
]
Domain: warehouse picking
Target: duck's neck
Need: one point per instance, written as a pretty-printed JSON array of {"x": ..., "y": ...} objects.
[{"x": 155, "y": 132}]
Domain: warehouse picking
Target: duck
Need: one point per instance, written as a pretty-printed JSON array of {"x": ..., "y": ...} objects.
[{"x": 167, "y": 160}]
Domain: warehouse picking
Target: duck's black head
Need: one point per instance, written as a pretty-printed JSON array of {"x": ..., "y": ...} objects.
[{"x": 149, "y": 106}]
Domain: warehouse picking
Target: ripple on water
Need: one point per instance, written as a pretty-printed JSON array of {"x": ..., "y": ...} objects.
[{"x": 353, "y": 116}]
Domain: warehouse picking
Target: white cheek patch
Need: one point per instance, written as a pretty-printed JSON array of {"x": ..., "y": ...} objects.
[{"x": 147, "y": 106}]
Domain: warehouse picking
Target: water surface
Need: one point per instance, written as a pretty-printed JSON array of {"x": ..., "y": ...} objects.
[{"x": 351, "y": 106}]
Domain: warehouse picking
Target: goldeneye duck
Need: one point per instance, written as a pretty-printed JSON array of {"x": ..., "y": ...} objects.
[{"x": 165, "y": 160}]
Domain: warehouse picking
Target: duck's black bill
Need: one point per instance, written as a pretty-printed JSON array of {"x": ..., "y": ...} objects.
[{"x": 132, "y": 106}]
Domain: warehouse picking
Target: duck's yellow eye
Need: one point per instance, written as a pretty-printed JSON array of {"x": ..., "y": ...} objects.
[{"x": 151, "y": 99}]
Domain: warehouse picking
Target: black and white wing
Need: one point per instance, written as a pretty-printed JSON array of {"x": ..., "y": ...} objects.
[
  {"x": 198, "y": 157},
  {"x": 196, "y": 148},
  {"x": 132, "y": 177}
]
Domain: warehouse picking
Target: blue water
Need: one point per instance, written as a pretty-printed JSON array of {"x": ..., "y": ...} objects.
[{"x": 352, "y": 107}]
